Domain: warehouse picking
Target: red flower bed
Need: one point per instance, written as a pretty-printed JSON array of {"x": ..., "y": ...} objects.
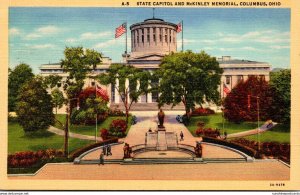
[
  {"x": 104, "y": 133},
  {"x": 118, "y": 127},
  {"x": 202, "y": 112},
  {"x": 269, "y": 149},
  {"x": 28, "y": 158}
]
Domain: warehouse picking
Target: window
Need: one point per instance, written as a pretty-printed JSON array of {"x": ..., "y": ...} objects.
[
  {"x": 154, "y": 34},
  {"x": 240, "y": 78},
  {"x": 166, "y": 38},
  {"x": 227, "y": 80}
]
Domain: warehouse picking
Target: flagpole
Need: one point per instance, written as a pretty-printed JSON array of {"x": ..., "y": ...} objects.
[
  {"x": 126, "y": 41},
  {"x": 223, "y": 108},
  {"x": 182, "y": 35}
]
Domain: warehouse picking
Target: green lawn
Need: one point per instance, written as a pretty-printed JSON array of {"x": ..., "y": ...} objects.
[
  {"x": 279, "y": 133},
  {"x": 90, "y": 129},
  {"x": 18, "y": 140}
]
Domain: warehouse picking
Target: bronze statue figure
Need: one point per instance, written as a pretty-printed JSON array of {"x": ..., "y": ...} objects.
[
  {"x": 161, "y": 117},
  {"x": 198, "y": 150},
  {"x": 127, "y": 151}
]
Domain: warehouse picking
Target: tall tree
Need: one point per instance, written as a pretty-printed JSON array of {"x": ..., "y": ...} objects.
[
  {"x": 280, "y": 82},
  {"x": 190, "y": 78},
  {"x": 57, "y": 98},
  {"x": 78, "y": 62},
  {"x": 126, "y": 73},
  {"x": 52, "y": 81},
  {"x": 236, "y": 102},
  {"x": 16, "y": 78},
  {"x": 34, "y": 106}
]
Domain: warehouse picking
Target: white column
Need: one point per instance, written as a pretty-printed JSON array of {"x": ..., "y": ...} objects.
[
  {"x": 149, "y": 98},
  {"x": 126, "y": 87},
  {"x": 138, "y": 87},
  {"x": 117, "y": 95}
]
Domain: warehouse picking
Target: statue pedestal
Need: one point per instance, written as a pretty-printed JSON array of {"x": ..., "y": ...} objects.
[
  {"x": 161, "y": 128},
  {"x": 161, "y": 140}
]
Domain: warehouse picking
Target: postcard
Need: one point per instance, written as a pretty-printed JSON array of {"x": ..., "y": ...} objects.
[{"x": 150, "y": 95}]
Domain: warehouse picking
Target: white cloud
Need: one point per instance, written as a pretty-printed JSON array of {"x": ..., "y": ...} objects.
[
  {"x": 42, "y": 46},
  {"x": 106, "y": 43},
  {"x": 279, "y": 47},
  {"x": 42, "y": 31},
  {"x": 266, "y": 36},
  {"x": 48, "y": 30},
  {"x": 91, "y": 35},
  {"x": 71, "y": 40},
  {"x": 14, "y": 31}
]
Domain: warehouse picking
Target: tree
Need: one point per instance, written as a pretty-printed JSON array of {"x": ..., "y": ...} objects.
[
  {"x": 57, "y": 98},
  {"x": 91, "y": 106},
  {"x": 280, "y": 82},
  {"x": 16, "y": 78},
  {"x": 236, "y": 102},
  {"x": 190, "y": 78},
  {"x": 34, "y": 106},
  {"x": 126, "y": 73},
  {"x": 52, "y": 81},
  {"x": 77, "y": 63}
]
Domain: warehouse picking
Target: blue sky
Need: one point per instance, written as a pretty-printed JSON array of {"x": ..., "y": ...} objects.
[{"x": 39, "y": 35}]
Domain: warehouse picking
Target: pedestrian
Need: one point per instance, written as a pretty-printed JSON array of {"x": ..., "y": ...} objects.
[
  {"x": 104, "y": 149},
  {"x": 225, "y": 135},
  {"x": 108, "y": 150},
  {"x": 181, "y": 136},
  {"x": 101, "y": 159}
]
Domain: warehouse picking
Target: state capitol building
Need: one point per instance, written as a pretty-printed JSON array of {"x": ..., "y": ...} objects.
[{"x": 151, "y": 40}]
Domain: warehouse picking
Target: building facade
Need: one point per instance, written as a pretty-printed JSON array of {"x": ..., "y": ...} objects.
[{"x": 151, "y": 40}]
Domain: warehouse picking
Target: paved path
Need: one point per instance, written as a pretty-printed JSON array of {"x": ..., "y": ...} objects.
[
  {"x": 251, "y": 132},
  {"x": 212, "y": 171},
  {"x": 73, "y": 135},
  {"x": 137, "y": 133}
]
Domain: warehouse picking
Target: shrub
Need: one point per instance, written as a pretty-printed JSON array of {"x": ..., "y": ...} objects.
[
  {"x": 104, "y": 133},
  {"x": 118, "y": 127},
  {"x": 115, "y": 112},
  {"x": 202, "y": 112},
  {"x": 29, "y": 158},
  {"x": 208, "y": 132}
]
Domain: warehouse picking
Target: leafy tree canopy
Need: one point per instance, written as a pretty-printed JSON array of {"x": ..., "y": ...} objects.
[
  {"x": 191, "y": 78},
  {"x": 281, "y": 84},
  {"x": 137, "y": 78},
  {"x": 236, "y": 102},
  {"x": 16, "y": 78},
  {"x": 78, "y": 62},
  {"x": 57, "y": 98},
  {"x": 34, "y": 106}
]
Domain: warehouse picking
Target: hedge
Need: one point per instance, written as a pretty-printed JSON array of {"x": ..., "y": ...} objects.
[
  {"x": 80, "y": 151},
  {"x": 244, "y": 149}
]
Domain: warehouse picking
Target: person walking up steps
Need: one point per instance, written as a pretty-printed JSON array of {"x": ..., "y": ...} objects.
[
  {"x": 108, "y": 152},
  {"x": 181, "y": 136}
]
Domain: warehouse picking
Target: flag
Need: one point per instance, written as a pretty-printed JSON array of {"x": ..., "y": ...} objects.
[
  {"x": 225, "y": 89},
  {"x": 102, "y": 92},
  {"x": 179, "y": 28},
  {"x": 120, "y": 30}
]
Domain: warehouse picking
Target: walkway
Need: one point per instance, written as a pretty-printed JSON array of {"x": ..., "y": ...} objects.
[
  {"x": 137, "y": 133},
  {"x": 262, "y": 129},
  {"x": 262, "y": 170},
  {"x": 73, "y": 135}
]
